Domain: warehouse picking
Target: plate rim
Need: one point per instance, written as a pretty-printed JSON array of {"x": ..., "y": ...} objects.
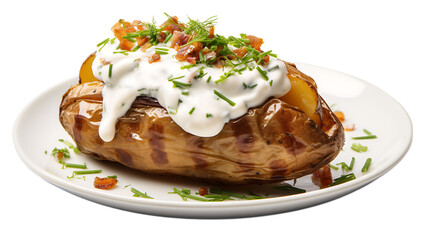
[{"x": 329, "y": 192}]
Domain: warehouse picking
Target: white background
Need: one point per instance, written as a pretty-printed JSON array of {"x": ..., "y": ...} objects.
[{"x": 383, "y": 42}]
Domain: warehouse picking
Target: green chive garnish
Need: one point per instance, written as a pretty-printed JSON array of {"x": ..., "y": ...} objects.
[
  {"x": 86, "y": 172},
  {"x": 110, "y": 70},
  {"x": 181, "y": 84},
  {"x": 333, "y": 167},
  {"x": 224, "y": 98},
  {"x": 70, "y": 145},
  {"x": 366, "y": 165},
  {"x": 290, "y": 189},
  {"x": 75, "y": 165},
  {"x": 357, "y": 147},
  {"x": 209, "y": 115},
  {"x": 191, "y": 111},
  {"x": 263, "y": 73},
  {"x": 140, "y": 194},
  {"x": 364, "y": 137},
  {"x": 343, "y": 179}
]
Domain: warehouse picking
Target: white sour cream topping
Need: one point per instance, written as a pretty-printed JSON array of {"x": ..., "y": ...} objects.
[{"x": 194, "y": 106}]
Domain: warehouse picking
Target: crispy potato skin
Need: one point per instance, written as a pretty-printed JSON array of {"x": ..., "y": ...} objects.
[{"x": 271, "y": 143}]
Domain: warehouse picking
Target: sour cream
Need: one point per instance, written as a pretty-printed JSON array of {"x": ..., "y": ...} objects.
[{"x": 193, "y": 96}]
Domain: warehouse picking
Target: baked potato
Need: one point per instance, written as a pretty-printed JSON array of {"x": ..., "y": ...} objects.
[{"x": 282, "y": 139}]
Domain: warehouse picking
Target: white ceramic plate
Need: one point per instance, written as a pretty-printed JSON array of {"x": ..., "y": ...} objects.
[{"x": 37, "y": 129}]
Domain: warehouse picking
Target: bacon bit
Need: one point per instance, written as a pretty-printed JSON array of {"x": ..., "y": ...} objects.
[
  {"x": 349, "y": 127},
  {"x": 203, "y": 191},
  {"x": 145, "y": 47},
  {"x": 265, "y": 60},
  {"x": 60, "y": 155},
  {"x": 340, "y": 116},
  {"x": 255, "y": 42},
  {"x": 120, "y": 29},
  {"x": 240, "y": 52},
  {"x": 322, "y": 177},
  {"x": 211, "y": 32},
  {"x": 191, "y": 60},
  {"x": 191, "y": 50},
  {"x": 211, "y": 55},
  {"x": 178, "y": 39},
  {"x": 105, "y": 183},
  {"x": 154, "y": 58},
  {"x": 161, "y": 37},
  {"x": 138, "y": 24},
  {"x": 172, "y": 25}
]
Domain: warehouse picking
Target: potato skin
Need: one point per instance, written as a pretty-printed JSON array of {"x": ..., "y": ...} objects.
[{"x": 271, "y": 143}]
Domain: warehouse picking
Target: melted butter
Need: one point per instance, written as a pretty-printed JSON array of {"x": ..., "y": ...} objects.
[{"x": 188, "y": 94}]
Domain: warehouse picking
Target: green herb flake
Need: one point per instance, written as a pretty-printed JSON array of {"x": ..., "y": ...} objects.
[
  {"x": 221, "y": 96},
  {"x": 357, "y": 147},
  {"x": 343, "y": 179},
  {"x": 366, "y": 165},
  {"x": 137, "y": 193}
]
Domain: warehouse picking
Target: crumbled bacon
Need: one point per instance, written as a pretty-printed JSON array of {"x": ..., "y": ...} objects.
[
  {"x": 120, "y": 29},
  {"x": 172, "y": 24},
  {"x": 240, "y": 52},
  {"x": 105, "y": 183},
  {"x": 255, "y": 42},
  {"x": 190, "y": 50},
  {"x": 211, "y": 32},
  {"x": 161, "y": 37},
  {"x": 322, "y": 177},
  {"x": 154, "y": 58},
  {"x": 145, "y": 47},
  {"x": 340, "y": 116},
  {"x": 178, "y": 39},
  {"x": 203, "y": 191}
]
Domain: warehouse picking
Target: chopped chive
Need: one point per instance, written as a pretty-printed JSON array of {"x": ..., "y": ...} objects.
[
  {"x": 171, "y": 110},
  {"x": 75, "y": 165},
  {"x": 364, "y": 137},
  {"x": 110, "y": 70},
  {"x": 346, "y": 167},
  {"x": 209, "y": 78},
  {"x": 186, "y": 92},
  {"x": 366, "y": 165},
  {"x": 343, "y": 179},
  {"x": 224, "y": 98},
  {"x": 168, "y": 37},
  {"x": 333, "y": 167},
  {"x": 103, "y": 42},
  {"x": 125, "y": 52},
  {"x": 162, "y": 49},
  {"x": 191, "y": 111},
  {"x": 226, "y": 193},
  {"x": 140, "y": 194},
  {"x": 367, "y": 132},
  {"x": 135, "y": 48},
  {"x": 271, "y": 83},
  {"x": 173, "y": 78},
  {"x": 113, "y": 176},
  {"x": 188, "y": 66},
  {"x": 86, "y": 172},
  {"x": 209, "y": 115},
  {"x": 70, "y": 145},
  {"x": 161, "y": 52},
  {"x": 357, "y": 147},
  {"x": 181, "y": 84},
  {"x": 263, "y": 73},
  {"x": 185, "y": 194}
]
